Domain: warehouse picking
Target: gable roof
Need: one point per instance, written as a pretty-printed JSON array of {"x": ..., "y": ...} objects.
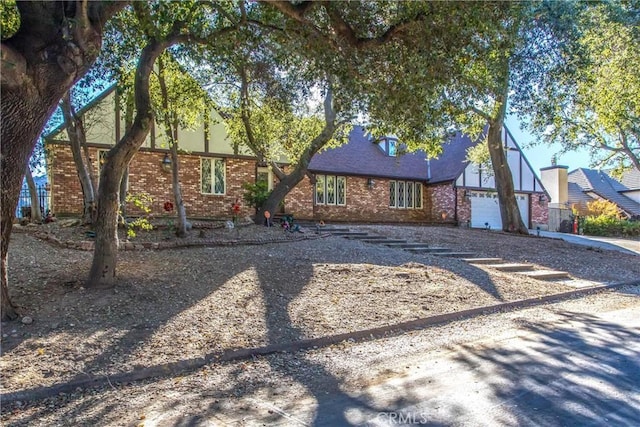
[
  {"x": 598, "y": 182},
  {"x": 453, "y": 159},
  {"x": 631, "y": 179},
  {"x": 360, "y": 156}
]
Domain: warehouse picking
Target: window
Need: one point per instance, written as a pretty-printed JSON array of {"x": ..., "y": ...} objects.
[
  {"x": 331, "y": 190},
  {"x": 391, "y": 147},
  {"x": 341, "y": 184},
  {"x": 405, "y": 195},
  {"x": 212, "y": 176},
  {"x": 418, "y": 195},
  {"x": 392, "y": 194},
  {"x": 264, "y": 174}
]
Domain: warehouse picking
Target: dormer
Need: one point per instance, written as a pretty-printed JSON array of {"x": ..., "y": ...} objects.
[{"x": 389, "y": 145}]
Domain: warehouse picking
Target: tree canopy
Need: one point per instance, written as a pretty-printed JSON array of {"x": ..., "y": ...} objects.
[{"x": 590, "y": 99}]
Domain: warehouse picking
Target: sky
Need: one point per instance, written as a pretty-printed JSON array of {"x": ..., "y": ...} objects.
[{"x": 539, "y": 156}]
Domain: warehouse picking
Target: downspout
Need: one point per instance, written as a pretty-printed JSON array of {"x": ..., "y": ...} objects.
[{"x": 455, "y": 201}]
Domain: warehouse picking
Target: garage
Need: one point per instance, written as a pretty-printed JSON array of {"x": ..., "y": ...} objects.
[{"x": 485, "y": 209}]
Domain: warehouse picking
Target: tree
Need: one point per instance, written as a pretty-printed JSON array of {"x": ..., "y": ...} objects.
[
  {"x": 181, "y": 105},
  {"x": 36, "y": 210},
  {"x": 591, "y": 97},
  {"x": 78, "y": 142},
  {"x": 163, "y": 25},
  {"x": 54, "y": 46}
]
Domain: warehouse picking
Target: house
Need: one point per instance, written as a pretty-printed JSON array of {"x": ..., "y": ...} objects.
[
  {"x": 363, "y": 180},
  {"x": 370, "y": 180},
  {"x": 581, "y": 186}
]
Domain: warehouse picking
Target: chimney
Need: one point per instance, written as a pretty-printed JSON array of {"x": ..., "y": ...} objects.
[{"x": 554, "y": 180}]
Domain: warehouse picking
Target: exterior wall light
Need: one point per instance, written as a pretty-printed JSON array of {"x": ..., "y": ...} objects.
[
  {"x": 370, "y": 183},
  {"x": 166, "y": 163}
]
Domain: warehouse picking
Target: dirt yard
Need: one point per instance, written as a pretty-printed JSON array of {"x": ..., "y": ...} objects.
[{"x": 180, "y": 304}]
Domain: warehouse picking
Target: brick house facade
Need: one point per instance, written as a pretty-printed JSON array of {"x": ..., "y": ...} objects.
[{"x": 363, "y": 180}]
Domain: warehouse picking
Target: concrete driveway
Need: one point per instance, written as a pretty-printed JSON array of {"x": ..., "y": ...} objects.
[{"x": 609, "y": 243}]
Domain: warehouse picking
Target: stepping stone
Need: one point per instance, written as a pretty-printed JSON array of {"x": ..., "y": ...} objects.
[
  {"x": 385, "y": 241},
  {"x": 454, "y": 254},
  {"x": 483, "y": 260},
  {"x": 428, "y": 250},
  {"x": 546, "y": 274},
  {"x": 367, "y": 237},
  {"x": 406, "y": 245},
  {"x": 512, "y": 267},
  {"x": 348, "y": 233}
]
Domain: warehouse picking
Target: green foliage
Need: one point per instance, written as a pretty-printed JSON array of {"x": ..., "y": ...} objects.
[
  {"x": 143, "y": 202},
  {"x": 9, "y": 18},
  {"x": 604, "y": 225},
  {"x": 479, "y": 156},
  {"x": 590, "y": 100},
  {"x": 602, "y": 218},
  {"x": 603, "y": 207},
  {"x": 256, "y": 194}
]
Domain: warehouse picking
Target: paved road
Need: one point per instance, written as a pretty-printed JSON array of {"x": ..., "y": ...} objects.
[
  {"x": 609, "y": 243},
  {"x": 581, "y": 369}
]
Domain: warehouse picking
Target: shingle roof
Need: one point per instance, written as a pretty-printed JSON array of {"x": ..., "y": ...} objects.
[
  {"x": 451, "y": 163},
  {"x": 360, "y": 156},
  {"x": 631, "y": 179},
  {"x": 598, "y": 182}
]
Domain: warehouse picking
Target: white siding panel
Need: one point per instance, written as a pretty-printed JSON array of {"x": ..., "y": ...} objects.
[
  {"x": 527, "y": 178},
  {"x": 471, "y": 176},
  {"x": 513, "y": 158}
]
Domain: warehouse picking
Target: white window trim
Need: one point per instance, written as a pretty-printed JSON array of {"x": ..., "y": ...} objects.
[
  {"x": 213, "y": 176},
  {"x": 325, "y": 179},
  {"x": 417, "y": 202}
]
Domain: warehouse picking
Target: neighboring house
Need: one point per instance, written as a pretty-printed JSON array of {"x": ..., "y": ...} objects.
[
  {"x": 370, "y": 180},
  {"x": 363, "y": 180},
  {"x": 581, "y": 186},
  {"x": 586, "y": 185}
]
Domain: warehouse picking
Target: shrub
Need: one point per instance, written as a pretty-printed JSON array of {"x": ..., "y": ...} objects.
[
  {"x": 597, "y": 208},
  {"x": 143, "y": 202},
  {"x": 256, "y": 194}
]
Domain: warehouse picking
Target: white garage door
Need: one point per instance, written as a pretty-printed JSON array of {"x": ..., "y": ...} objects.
[{"x": 485, "y": 209}]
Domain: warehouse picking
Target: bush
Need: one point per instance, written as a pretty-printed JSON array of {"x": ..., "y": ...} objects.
[
  {"x": 256, "y": 194},
  {"x": 604, "y": 225}
]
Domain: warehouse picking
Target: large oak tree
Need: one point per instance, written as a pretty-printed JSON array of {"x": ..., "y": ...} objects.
[{"x": 54, "y": 46}]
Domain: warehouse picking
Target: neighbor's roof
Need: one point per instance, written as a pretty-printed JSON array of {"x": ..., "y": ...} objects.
[
  {"x": 631, "y": 179},
  {"x": 598, "y": 182},
  {"x": 361, "y": 156}
]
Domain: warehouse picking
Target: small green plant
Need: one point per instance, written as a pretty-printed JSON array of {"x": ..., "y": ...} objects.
[
  {"x": 142, "y": 202},
  {"x": 256, "y": 194}
]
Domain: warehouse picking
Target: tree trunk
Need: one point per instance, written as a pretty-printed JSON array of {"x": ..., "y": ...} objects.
[
  {"x": 54, "y": 47},
  {"x": 171, "y": 126},
  {"x": 78, "y": 143},
  {"x": 511, "y": 218},
  {"x": 181, "y": 226},
  {"x": 122, "y": 195},
  {"x": 103, "y": 266},
  {"x": 36, "y": 209}
]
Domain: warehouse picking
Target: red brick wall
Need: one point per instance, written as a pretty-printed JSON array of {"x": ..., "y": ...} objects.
[
  {"x": 441, "y": 203},
  {"x": 147, "y": 176},
  {"x": 539, "y": 210},
  {"x": 362, "y": 204}
]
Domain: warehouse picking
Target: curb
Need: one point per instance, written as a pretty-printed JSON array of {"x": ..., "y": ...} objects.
[
  {"x": 189, "y": 365},
  {"x": 87, "y": 245}
]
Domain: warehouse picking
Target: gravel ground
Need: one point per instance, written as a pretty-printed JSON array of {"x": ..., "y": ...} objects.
[{"x": 179, "y": 304}]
